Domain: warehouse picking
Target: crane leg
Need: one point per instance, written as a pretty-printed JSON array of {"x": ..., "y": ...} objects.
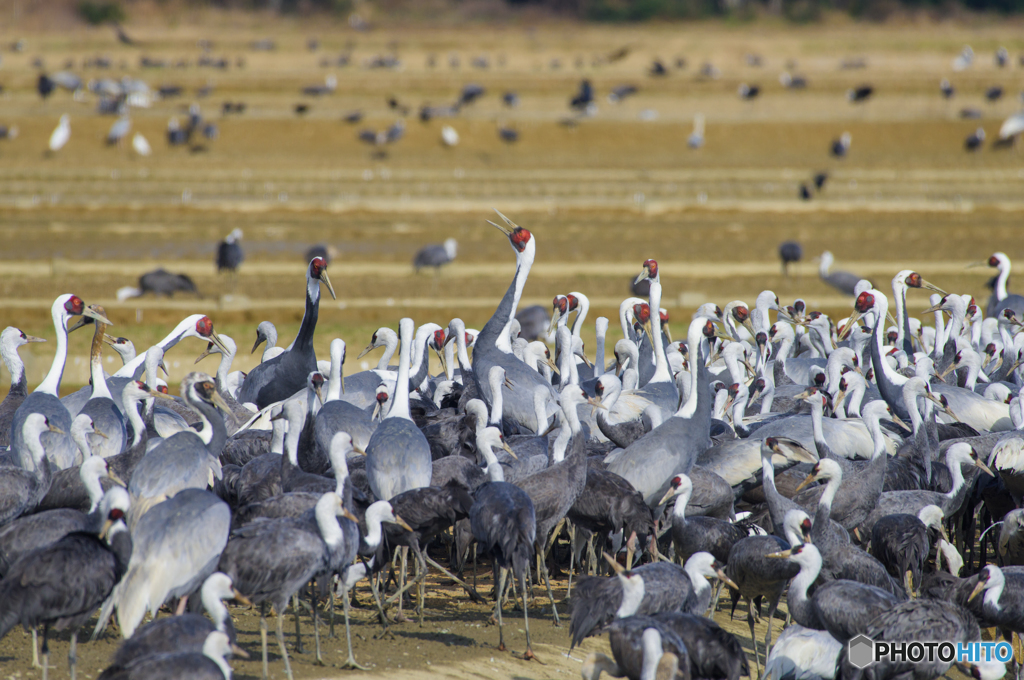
[
  {"x": 572, "y": 556},
  {"x": 35, "y": 648},
  {"x": 771, "y": 615},
  {"x": 298, "y": 630},
  {"x": 330, "y": 605},
  {"x": 263, "y": 636},
  {"x": 528, "y": 654},
  {"x": 551, "y": 596},
  {"x": 351, "y": 661},
  {"x": 753, "y": 638},
  {"x": 421, "y": 577},
  {"x": 380, "y": 608},
  {"x": 473, "y": 595},
  {"x": 280, "y": 642},
  {"x": 497, "y": 609},
  {"x": 46, "y": 650},
  {"x": 73, "y": 654},
  {"x": 714, "y": 602},
  {"x": 316, "y": 629}
]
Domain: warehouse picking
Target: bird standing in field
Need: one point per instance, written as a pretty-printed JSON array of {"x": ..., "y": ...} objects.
[
  {"x": 61, "y": 134},
  {"x": 436, "y": 255},
  {"x": 230, "y": 254},
  {"x": 789, "y": 251}
]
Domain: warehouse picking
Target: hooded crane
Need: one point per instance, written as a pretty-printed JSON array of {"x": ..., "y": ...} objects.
[
  {"x": 62, "y": 584},
  {"x": 22, "y": 489},
  {"x": 487, "y": 352},
  {"x": 105, "y": 414},
  {"x": 643, "y": 650},
  {"x": 843, "y": 608},
  {"x": 206, "y": 663},
  {"x": 10, "y": 340},
  {"x": 60, "y": 448},
  {"x": 279, "y": 378}
]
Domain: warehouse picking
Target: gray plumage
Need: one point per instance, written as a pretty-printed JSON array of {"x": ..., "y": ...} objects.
[
  {"x": 229, "y": 253},
  {"x": 844, "y": 282},
  {"x": 21, "y": 490},
  {"x": 206, "y": 664},
  {"x": 398, "y": 455},
  {"x": 715, "y": 653},
  {"x": 435, "y": 255},
  {"x": 176, "y": 547},
  {"x": 626, "y": 639},
  {"x": 279, "y": 378}
]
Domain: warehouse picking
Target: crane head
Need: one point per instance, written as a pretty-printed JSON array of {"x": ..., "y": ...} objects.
[
  {"x": 517, "y": 236},
  {"x": 318, "y": 271}
]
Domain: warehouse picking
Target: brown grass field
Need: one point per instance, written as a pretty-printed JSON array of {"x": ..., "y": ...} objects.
[{"x": 600, "y": 197}]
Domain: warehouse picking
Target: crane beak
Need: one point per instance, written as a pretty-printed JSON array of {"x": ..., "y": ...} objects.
[
  {"x": 402, "y": 523},
  {"x": 933, "y": 308},
  {"x": 368, "y": 349},
  {"x": 78, "y": 324},
  {"x": 840, "y": 396},
  {"x": 977, "y": 590},
  {"x": 932, "y": 287},
  {"x": 509, "y": 384},
  {"x": 319, "y": 394},
  {"x": 219, "y": 402},
  {"x": 783, "y": 555},
  {"x": 97, "y": 431},
  {"x": 444, "y": 365},
  {"x": 646, "y": 273},
  {"x": 259, "y": 341},
  {"x": 508, "y": 449},
  {"x": 749, "y": 326},
  {"x": 952, "y": 367},
  {"x": 203, "y": 355},
  {"x": 358, "y": 450},
  {"x": 347, "y": 514},
  {"x": 163, "y": 367},
  {"x": 618, "y": 568},
  {"x": 116, "y": 480},
  {"x": 556, "y": 314},
  {"x": 376, "y": 411},
  {"x": 551, "y": 428},
  {"x": 586, "y": 361},
  {"x": 506, "y": 230},
  {"x": 668, "y": 494},
  {"x": 554, "y": 366},
  {"x": 647, "y": 332},
  {"x": 899, "y": 421},
  {"x": 984, "y": 468},
  {"x": 106, "y": 528},
  {"x": 850, "y": 323},
  {"x": 91, "y": 312},
  {"x": 32, "y": 338},
  {"x": 327, "y": 280},
  {"x": 807, "y": 480},
  {"x": 596, "y": 403},
  {"x": 215, "y": 339},
  {"x": 240, "y": 599},
  {"x": 158, "y": 394},
  {"x": 56, "y": 430},
  {"x": 725, "y": 579},
  {"x": 110, "y": 340},
  {"x": 235, "y": 649},
  {"x": 668, "y": 332},
  {"x": 983, "y": 263}
]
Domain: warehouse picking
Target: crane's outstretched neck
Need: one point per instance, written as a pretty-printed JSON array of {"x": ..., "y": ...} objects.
[
  {"x": 400, "y": 399},
  {"x": 51, "y": 383}
]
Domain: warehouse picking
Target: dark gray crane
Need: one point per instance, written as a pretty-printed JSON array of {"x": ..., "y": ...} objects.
[
  {"x": 21, "y": 490},
  {"x": 698, "y": 534},
  {"x": 279, "y": 378},
  {"x": 62, "y": 584},
  {"x": 643, "y": 649}
]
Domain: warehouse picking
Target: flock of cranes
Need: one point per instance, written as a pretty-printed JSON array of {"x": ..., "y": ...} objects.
[{"x": 801, "y": 462}]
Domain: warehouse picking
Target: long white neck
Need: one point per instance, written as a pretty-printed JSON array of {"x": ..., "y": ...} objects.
[
  {"x": 463, "y": 353},
  {"x": 91, "y": 480},
  {"x": 661, "y": 372},
  {"x": 808, "y": 574},
  {"x": 222, "y": 664},
  {"x": 400, "y": 399},
  {"x": 327, "y": 521},
  {"x": 390, "y": 345},
  {"x": 956, "y": 475},
  {"x": 995, "y": 591},
  {"x": 829, "y": 494},
  {"x": 633, "y": 590},
  {"x": 679, "y": 511},
  {"x": 899, "y": 292},
  {"x": 1004, "y": 274},
  {"x": 700, "y": 584},
  {"x": 224, "y": 367},
  {"x": 51, "y": 383},
  {"x": 572, "y": 417},
  {"x": 99, "y": 379},
  {"x": 215, "y": 608},
  {"x": 374, "y": 520},
  {"x": 877, "y": 438},
  {"x": 694, "y": 336},
  {"x": 337, "y": 354},
  {"x": 624, "y": 308},
  {"x": 561, "y": 443},
  {"x": 651, "y": 642},
  {"x": 540, "y": 400},
  {"x": 133, "y": 369},
  {"x": 497, "y": 401},
  {"x": 11, "y": 359},
  {"x": 602, "y": 331},
  {"x": 524, "y": 264},
  {"x": 883, "y": 308},
  {"x": 581, "y": 315},
  {"x": 856, "y": 398},
  {"x": 37, "y": 454},
  {"x": 131, "y": 409},
  {"x": 817, "y": 414}
]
